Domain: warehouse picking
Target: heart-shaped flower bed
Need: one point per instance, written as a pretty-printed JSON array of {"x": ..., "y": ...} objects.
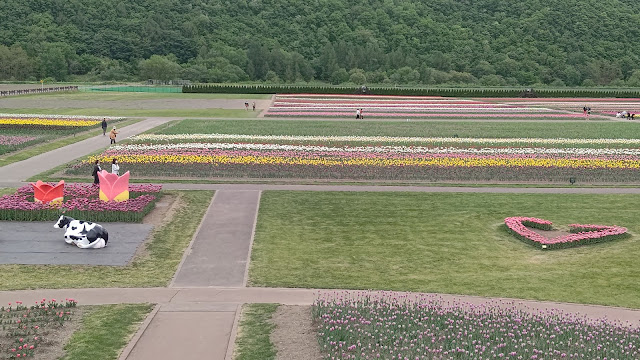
[{"x": 580, "y": 234}]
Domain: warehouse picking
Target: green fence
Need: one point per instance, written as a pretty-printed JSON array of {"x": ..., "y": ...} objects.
[{"x": 133, "y": 88}]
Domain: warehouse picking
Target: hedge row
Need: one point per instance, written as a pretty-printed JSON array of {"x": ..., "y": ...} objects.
[{"x": 449, "y": 92}]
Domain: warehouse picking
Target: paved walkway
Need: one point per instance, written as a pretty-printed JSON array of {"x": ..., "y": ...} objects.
[
  {"x": 220, "y": 253},
  {"x": 214, "y": 298}
]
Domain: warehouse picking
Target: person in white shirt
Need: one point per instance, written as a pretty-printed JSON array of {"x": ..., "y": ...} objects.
[{"x": 115, "y": 168}]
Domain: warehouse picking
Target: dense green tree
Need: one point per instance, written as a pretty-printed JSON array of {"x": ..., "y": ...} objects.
[
  {"x": 339, "y": 76},
  {"x": 53, "y": 62},
  {"x": 634, "y": 79},
  {"x": 357, "y": 76},
  {"x": 158, "y": 67},
  {"x": 444, "y": 41},
  {"x": 15, "y": 64}
]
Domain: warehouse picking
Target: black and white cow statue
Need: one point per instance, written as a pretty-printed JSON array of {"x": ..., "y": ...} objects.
[{"x": 83, "y": 234}]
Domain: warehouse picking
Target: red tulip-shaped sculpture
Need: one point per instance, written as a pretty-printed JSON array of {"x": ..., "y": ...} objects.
[
  {"x": 113, "y": 187},
  {"x": 45, "y": 193}
]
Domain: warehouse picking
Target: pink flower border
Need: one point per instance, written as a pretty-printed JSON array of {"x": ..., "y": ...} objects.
[{"x": 581, "y": 234}]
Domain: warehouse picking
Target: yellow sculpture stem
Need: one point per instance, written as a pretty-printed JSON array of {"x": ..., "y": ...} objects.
[{"x": 121, "y": 197}]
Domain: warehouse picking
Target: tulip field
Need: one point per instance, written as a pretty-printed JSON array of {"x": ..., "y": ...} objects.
[
  {"x": 398, "y": 326},
  {"x": 345, "y": 106},
  {"x": 383, "y": 158},
  {"x": 81, "y": 201},
  {"x": 604, "y": 106},
  {"x": 22, "y": 130}
]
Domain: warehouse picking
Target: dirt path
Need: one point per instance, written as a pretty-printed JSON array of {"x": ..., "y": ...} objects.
[{"x": 295, "y": 336}]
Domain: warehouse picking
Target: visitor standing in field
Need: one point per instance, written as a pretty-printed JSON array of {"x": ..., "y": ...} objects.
[
  {"x": 104, "y": 126},
  {"x": 115, "y": 168},
  {"x": 357, "y": 113},
  {"x": 588, "y": 112},
  {"x": 254, "y": 106},
  {"x": 96, "y": 170},
  {"x": 361, "y": 114},
  {"x": 112, "y": 135},
  {"x": 246, "y": 105}
]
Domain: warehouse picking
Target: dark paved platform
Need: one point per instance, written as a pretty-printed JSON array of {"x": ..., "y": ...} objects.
[{"x": 40, "y": 243}]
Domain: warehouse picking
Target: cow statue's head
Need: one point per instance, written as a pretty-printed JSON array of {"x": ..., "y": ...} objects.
[{"x": 63, "y": 221}]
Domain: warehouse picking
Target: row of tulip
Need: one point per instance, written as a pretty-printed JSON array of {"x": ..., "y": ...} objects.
[
  {"x": 364, "y": 325},
  {"x": 81, "y": 201},
  {"x": 61, "y": 117},
  {"x": 401, "y": 107},
  {"x": 600, "y": 106},
  {"x": 457, "y": 114},
  {"x": 325, "y": 159},
  {"x": 294, "y": 157},
  {"x": 10, "y": 143},
  {"x": 131, "y": 149},
  {"x": 51, "y": 122},
  {"x": 430, "y": 141},
  {"x": 45, "y": 122},
  {"x": 580, "y": 234},
  {"x": 8, "y": 140},
  {"x": 363, "y": 172}
]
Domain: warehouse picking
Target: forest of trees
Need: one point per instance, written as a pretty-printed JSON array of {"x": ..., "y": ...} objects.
[{"x": 406, "y": 42}]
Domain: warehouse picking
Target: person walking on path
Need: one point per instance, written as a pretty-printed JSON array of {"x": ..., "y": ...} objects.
[
  {"x": 96, "y": 170},
  {"x": 115, "y": 168},
  {"x": 357, "y": 113},
  {"x": 254, "y": 106},
  {"x": 361, "y": 114},
  {"x": 104, "y": 126},
  {"x": 246, "y": 105},
  {"x": 112, "y": 135}
]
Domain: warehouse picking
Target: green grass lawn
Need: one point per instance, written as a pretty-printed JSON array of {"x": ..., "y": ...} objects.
[
  {"x": 444, "y": 242},
  {"x": 135, "y": 96},
  {"x": 212, "y": 112},
  {"x": 105, "y": 331},
  {"x": 502, "y": 129},
  {"x": 156, "y": 268},
  {"x": 253, "y": 341}
]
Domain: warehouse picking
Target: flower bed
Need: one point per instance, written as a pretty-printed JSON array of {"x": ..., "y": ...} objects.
[
  {"x": 407, "y": 107},
  {"x": 22, "y": 130},
  {"x": 432, "y": 141},
  {"x": 15, "y": 140},
  {"x": 10, "y": 143},
  {"x": 580, "y": 234},
  {"x": 81, "y": 202},
  {"x": 397, "y": 326},
  {"x": 294, "y": 157},
  {"x": 28, "y": 331},
  {"x": 50, "y": 122}
]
